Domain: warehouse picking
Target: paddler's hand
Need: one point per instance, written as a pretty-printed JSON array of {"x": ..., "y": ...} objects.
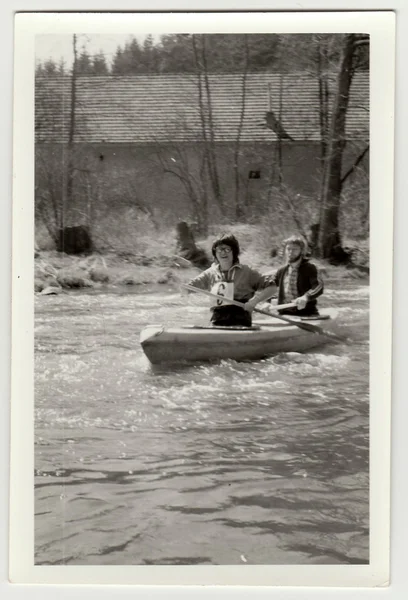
[
  {"x": 301, "y": 302},
  {"x": 250, "y": 305}
]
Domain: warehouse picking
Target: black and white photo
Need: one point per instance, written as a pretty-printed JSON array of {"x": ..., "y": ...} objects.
[{"x": 204, "y": 208}]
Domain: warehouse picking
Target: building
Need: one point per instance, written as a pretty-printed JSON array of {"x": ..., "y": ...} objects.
[{"x": 144, "y": 137}]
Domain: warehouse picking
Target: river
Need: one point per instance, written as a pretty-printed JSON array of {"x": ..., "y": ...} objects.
[{"x": 229, "y": 463}]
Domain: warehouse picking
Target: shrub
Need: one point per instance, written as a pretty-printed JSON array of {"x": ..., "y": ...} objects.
[
  {"x": 73, "y": 278},
  {"x": 99, "y": 275}
]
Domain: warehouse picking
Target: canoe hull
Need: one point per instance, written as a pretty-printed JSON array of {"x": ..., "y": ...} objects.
[{"x": 190, "y": 344}]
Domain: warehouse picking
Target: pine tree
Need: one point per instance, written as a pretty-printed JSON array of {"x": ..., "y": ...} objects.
[
  {"x": 39, "y": 69},
  {"x": 50, "y": 67},
  {"x": 99, "y": 65},
  {"x": 119, "y": 63},
  {"x": 84, "y": 63},
  {"x": 149, "y": 54},
  {"x": 175, "y": 54},
  {"x": 62, "y": 67},
  {"x": 133, "y": 55}
]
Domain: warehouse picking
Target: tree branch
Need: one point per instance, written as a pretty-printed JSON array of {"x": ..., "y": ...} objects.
[
  {"x": 363, "y": 42},
  {"x": 294, "y": 216},
  {"x": 356, "y": 163}
]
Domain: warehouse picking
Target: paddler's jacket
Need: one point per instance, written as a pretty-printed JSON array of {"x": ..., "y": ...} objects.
[
  {"x": 308, "y": 282},
  {"x": 246, "y": 280}
]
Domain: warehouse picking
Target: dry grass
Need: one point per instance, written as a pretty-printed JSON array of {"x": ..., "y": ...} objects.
[{"x": 145, "y": 255}]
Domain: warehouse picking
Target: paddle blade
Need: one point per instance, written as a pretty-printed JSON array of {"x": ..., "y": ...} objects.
[
  {"x": 182, "y": 263},
  {"x": 307, "y": 326}
]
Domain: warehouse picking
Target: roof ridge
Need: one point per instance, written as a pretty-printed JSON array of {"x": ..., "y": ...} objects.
[{"x": 210, "y": 74}]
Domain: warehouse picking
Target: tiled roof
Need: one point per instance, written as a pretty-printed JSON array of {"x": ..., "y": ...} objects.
[{"x": 165, "y": 108}]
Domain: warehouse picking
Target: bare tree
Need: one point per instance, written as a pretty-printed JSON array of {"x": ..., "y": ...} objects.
[
  {"x": 71, "y": 136},
  {"x": 194, "y": 182},
  {"x": 239, "y": 213},
  {"x": 329, "y": 240},
  {"x": 206, "y": 117},
  {"x": 48, "y": 197},
  {"x": 323, "y": 87}
]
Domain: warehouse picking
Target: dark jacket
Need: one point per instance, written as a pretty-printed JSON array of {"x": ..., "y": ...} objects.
[{"x": 308, "y": 283}]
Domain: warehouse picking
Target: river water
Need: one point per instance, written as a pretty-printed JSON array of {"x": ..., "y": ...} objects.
[{"x": 230, "y": 463}]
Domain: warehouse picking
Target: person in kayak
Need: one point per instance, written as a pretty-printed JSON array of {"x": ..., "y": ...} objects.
[
  {"x": 298, "y": 280},
  {"x": 229, "y": 278}
]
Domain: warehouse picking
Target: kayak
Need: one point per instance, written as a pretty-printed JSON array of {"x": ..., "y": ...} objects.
[{"x": 265, "y": 338}]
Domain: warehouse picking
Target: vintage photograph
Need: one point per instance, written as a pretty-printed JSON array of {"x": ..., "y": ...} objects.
[{"x": 201, "y": 288}]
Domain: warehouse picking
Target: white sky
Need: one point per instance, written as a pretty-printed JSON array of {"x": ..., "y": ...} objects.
[{"x": 60, "y": 46}]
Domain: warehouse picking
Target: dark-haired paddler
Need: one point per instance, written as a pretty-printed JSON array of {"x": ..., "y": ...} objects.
[{"x": 229, "y": 278}]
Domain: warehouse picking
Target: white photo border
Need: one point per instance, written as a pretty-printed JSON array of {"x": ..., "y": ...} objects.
[{"x": 381, "y": 28}]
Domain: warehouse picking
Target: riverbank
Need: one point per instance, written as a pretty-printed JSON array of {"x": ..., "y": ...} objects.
[
  {"x": 145, "y": 255},
  {"x": 56, "y": 272}
]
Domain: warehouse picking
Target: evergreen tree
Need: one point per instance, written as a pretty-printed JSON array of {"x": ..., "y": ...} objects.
[
  {"x": 175, "y": 54},
  {"x": 84, "y": 63},
  {"x": 99, "y": 65},
  {"x": 62, "y": 67},
  {"x": 50, "y": 67},
  {"x": 39, "y": 69},
  {"x": 119, "y": 63},
  {"x": 150, "y": 55},
  {"x": 263, "y": 49},
  {"x": 133, "y": 54}
]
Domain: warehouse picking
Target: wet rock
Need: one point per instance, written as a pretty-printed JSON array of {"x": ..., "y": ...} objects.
[
  {"x": 51, "y": 290},
  {"x": 39, "y": 285},
  {"x": 168, "y": 277}
]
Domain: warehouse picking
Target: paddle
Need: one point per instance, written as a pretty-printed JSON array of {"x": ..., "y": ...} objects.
[
  {"x": 302, "y": 325},
  {"x": 179, "y": 261},
  {"x": 235, "y": 302}
]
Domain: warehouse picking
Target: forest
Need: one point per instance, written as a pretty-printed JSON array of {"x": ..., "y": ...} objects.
[{"x": 228, "y": 53}]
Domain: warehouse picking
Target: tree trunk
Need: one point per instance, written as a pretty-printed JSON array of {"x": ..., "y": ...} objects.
[
  {"x": 70, "y": 167},
  {"x": 187, "y": 248},
  {"x": 322, "y": 67},
  {"x": 329, "y": 242},
  {"x": 239, "y": 212},
  {"x": 280, "y": 116},
  {"x": 206, "y": 118}
]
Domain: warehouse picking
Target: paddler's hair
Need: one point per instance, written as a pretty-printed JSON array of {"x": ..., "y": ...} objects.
[
  {"x": 296, "y": 239},
  {"x": 227, "y": 239}
]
